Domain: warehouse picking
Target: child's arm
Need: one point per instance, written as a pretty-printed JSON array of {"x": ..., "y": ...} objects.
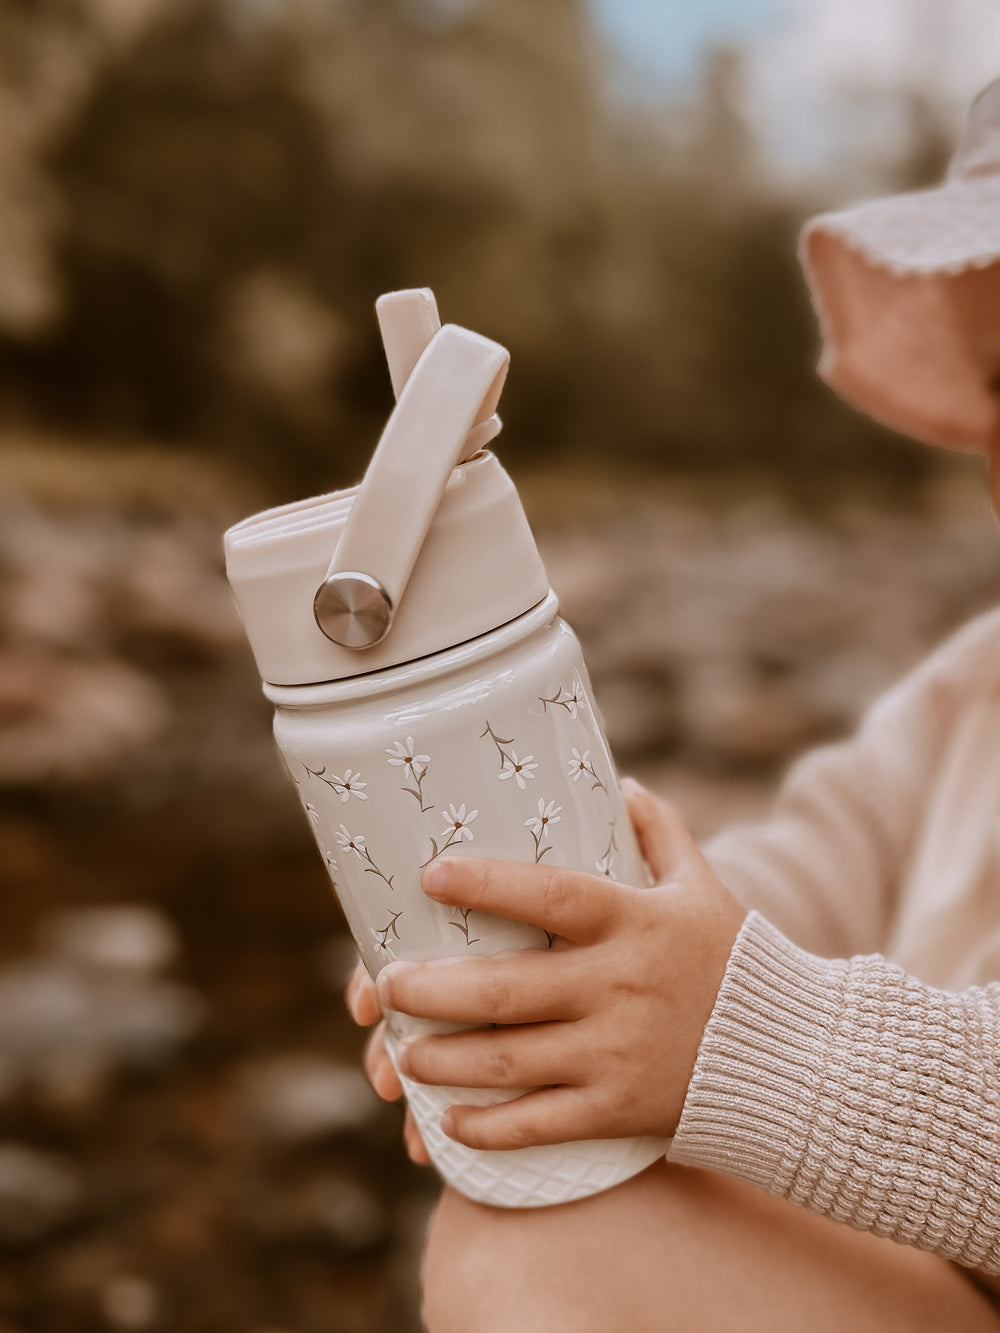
[
  {"x": 826, "y": 866},
  {"x": 852, "y": 1089}
]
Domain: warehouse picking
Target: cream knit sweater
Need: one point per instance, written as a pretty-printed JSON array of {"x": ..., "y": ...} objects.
[{"x": 856, "y": 1070}]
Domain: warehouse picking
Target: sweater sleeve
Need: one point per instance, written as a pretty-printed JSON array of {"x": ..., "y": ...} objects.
[
  {"x": 852, "y": 1089},
  {"x": 826, "y": 865}
]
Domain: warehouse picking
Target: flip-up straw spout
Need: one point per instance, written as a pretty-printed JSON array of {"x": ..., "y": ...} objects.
[
  {"x": 408, "y": 320},
  {"x": 454, "y": 386}
]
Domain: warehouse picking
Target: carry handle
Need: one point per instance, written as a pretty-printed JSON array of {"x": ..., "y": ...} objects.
[
  {"x": 408, "y": 320},
  {"x": 455, "y": 383}
]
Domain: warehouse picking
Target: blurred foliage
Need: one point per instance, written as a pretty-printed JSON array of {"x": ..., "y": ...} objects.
[{"x": 209, "y": 194}]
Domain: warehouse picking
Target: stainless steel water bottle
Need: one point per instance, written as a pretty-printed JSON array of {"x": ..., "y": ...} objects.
[{"x": 430, "y": 700}]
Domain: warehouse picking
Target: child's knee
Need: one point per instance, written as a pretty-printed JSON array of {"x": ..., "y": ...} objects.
[
  {"x": 488, "y": 1270},
  {"x": 471, "y": 1256}
]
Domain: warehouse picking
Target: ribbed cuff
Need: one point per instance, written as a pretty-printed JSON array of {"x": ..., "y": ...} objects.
[{"x": 760, "y": 1065}]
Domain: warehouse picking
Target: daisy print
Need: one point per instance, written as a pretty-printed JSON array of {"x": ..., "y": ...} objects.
[
  {"x": 456, "y": 831},
  {"x": 355, "y": 842},
  {"x": 570, "y": 699},
  {"x": 538, "y": 826},
  {"x": 403, "y": 754},
  {"x": 500, "y": 743},
  {"x": 386, "y": 933},
  {"x": 463, "y": 926},
  {"x": 329, "y": 859},
  {"x": 457, "y": 822},
  {"x": 605, "y": 864},
  {"x": 580, "y": 764},
  {"x": 521, "y": 770},
  {"x": 346, "y": 787},
  {"x": 350, "y": 785},
  {"x": 547, "y": 814},
  {"x": 511, "y": 764},
  {"x": 351, "y": 842},
  {"x": 576, "y": 698}
]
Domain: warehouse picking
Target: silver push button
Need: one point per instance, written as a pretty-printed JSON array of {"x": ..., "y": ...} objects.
[{"x": 353, "y": 609}]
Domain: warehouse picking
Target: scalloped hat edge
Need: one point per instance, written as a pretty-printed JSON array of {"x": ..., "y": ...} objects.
[{"x": 907, "y": 291}]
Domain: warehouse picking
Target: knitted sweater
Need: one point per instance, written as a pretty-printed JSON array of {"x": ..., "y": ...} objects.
[{"x": 852, "y": 1060}]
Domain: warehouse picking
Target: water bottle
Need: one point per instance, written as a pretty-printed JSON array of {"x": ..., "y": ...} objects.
[{"x": 429, "y": 700}]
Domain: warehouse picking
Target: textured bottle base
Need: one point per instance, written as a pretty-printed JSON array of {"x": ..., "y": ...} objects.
[{"x": 523, "y": 1177}]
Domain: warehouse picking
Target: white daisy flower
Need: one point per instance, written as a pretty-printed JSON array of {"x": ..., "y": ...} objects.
[
  {"x": 312, "y": 812},
  {"x": 351, "y": 842},
  {"x": 604, "y": 865},
  {"x": 350, "y": 785},
  {"x": 576, "y": 698},
  {"x": 518, "y": 769},
  {"x": 456, "y": 823},
  {"x": 402, "y": 755},
  {"x": 547, "y": 815},
  {"x": 579, "y": 764}
]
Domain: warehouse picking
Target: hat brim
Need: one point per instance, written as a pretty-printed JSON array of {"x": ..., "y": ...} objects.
[{"x": 907, "y": 291}]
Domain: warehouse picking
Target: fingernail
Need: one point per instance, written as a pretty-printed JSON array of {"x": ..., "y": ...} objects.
[
  {"x": 448, "y": 1124},
  {"x": 386, "y": 1084},
  {"x": 385, "y": 979},
  {"x": 436, "y": 879},
  {"x": 630, "y": 787},
  {"x": 403, "y": 1054}
]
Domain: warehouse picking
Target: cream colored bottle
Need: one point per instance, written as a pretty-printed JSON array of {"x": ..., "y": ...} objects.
[{"x": 429, "y": 700}]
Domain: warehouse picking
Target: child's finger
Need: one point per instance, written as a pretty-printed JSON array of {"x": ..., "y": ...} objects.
[
  {"x": 538, "y": 1055},
  {"x": 380, "y": 1069},
  {"x": 579, "y": 907},
  {"x": 528, "y": 987},
  {"x": 663, "y": 836},
  {"x": 552, "y": 1115},
  {"x": 361, "y": 998},
  {"x": 415, "y": 1147}
]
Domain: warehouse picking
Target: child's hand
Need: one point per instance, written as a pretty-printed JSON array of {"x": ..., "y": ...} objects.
[
  {"x": 607, "y": 1026},
  {"x": 363, "y": 1005}
]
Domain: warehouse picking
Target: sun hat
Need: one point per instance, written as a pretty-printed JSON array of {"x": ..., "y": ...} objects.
[{"x": 907, "y": 290}]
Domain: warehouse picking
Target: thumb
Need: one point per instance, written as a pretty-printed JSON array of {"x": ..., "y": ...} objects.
[{"x": 663, "y": 836}]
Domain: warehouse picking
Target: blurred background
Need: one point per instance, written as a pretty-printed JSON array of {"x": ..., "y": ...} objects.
[{"x": 199, "y": 202}]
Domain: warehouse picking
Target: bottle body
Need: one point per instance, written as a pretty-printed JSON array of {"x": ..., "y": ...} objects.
[{"x": 491, "y": 749}]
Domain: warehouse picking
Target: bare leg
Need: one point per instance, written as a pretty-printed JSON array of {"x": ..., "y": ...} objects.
[{"x": 677, "y": 1250}]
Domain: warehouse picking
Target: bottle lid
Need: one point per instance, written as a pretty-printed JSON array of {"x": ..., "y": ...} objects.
[{"x": 431, "y": 550}]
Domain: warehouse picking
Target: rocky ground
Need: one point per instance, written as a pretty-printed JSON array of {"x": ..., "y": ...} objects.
[{"x": 185, "y": 1141}]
